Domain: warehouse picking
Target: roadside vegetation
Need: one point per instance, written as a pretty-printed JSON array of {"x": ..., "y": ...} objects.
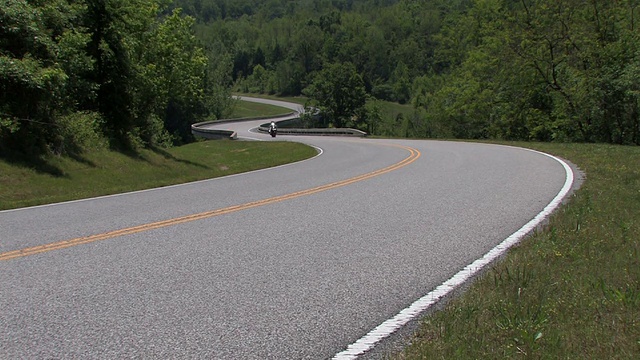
[
  {"x": 539, "y": 70},
  {"x": 138, "y": 73},
  {"x": 570, "y": 291},
  {"x": 104, "y": 172},
  {"x": 127, "y": 73},
  {"x": 246, "y": 109}
]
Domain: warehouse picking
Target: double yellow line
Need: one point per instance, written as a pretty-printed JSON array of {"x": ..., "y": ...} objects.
[{"x": 413, "y": 156}]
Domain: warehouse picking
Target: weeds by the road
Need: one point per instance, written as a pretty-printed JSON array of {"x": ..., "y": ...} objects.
[{"x": 570, "y": 291}]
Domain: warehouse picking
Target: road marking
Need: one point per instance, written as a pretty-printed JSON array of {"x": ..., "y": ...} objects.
[
  {"x": 320, "y": 152},
  {"x": 413, "y": 156},
  {"x": 384, "y": 330}
]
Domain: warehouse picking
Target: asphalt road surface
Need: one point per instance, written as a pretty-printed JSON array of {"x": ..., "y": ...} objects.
[{"x": 295, "y": 262}]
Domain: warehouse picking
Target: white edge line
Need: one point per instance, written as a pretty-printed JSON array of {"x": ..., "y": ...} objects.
[
  {"x": 320, "y": 152},
  {"x": 390, "y": 326}
]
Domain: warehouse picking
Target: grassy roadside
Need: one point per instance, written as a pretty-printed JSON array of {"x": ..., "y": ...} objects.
[
  {"x": 104, "y": 172},
  {"x": 243, "y": 109},
  {"x": 293, "y": 99},
  {"x": 107, "y": 172},
  {"x": 571, "y": 291}
]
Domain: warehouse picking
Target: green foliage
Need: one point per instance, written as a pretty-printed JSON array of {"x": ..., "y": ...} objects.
[
  {"x": 218, "y": 102},
  {"x": 338, "y": 91},
  {"x": 79, "y": 132},
  {"x": 529, "y": 70},
  {"x": 517, "y": 70},
  {"x": 67, "y": 66},
  {"x": 35, "y": 82},
  {"x": 306, "y": 36},
  {"x": 171, "y": 87}
]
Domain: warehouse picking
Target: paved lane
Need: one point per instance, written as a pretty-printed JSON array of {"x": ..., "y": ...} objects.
[{"x": 299, "y": 278}]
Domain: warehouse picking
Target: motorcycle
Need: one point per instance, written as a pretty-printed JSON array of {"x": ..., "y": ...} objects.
[{"x": 273, "y": 131}]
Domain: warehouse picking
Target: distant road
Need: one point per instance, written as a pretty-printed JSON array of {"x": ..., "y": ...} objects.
[
  {"x": 285, "y": 104},
  {"x": 298, "y": 261}
]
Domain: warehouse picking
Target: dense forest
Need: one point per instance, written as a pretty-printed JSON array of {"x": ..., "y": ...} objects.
[
  {"x": 140, "y": 72},
  {"x": 547, "y": 70},
  {"x": 77, "y": 74}
]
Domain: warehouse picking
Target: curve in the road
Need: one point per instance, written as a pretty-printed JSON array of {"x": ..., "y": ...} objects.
[
  {"x": 388, "y": 327},
  {"x": 392, "y": 325},
  {"x": 413, "y": 156},
  {"x": 303, "y": 289}
]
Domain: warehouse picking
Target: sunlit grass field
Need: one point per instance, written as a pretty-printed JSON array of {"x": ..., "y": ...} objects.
[
  {"x": 108, "y": 172},
  {"x": 570, "y": 291},
  {"x": 246, "y": 109}
]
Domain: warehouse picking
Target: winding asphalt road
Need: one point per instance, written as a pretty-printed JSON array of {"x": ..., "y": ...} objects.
[{"x": 296, "y": 262}]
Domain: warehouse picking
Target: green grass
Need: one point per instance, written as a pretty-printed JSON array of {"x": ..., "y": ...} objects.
[
  {"x": 391, "y": 110},
  {"x": 106, "y": 172},
  {"x": 570, "y": 291},
  {"x": 247, "y": 109},
  {"x": 294, "y": 99}
]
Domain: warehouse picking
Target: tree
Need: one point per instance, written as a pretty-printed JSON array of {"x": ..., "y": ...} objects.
[
  {"x": 307, "y": 47},
  {"x": 42, "y": 65},
  {"x": 173, "y": 65},
  {"x": 583, "y": 53},
  {"x": 339, "y": 93},
  {"x": 117, "y": 29},
  {"x": 217, "y": 90},
  {"x": 73, "y": 72},
  {"x": 400, "y": 81}
]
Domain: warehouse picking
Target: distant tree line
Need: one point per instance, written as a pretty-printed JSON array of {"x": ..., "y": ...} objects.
[
  {"x": 547, "y": 70},
  {"x": 79, "y": 73}
]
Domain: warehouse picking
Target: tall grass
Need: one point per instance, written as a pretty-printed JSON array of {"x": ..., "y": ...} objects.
[{"x": 570, "y": 291}]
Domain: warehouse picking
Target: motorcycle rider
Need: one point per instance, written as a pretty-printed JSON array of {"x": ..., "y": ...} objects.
[{"x": 272, "y": 127}]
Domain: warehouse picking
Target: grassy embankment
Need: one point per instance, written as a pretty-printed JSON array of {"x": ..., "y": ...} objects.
[
  {"x": 104, "y": 172},
  {"x": 245, "y": 109},
  {"x": 571, "y": 291}
]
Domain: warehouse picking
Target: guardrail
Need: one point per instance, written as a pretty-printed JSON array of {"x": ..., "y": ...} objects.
[
  {"x": 212, "y": 134},
  {"x": 198, "y": 129},
  {"x": 315, "y": 131}
]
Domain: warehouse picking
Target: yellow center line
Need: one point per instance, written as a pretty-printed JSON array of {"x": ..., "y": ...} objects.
[{"x": 413, "y": 156}]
